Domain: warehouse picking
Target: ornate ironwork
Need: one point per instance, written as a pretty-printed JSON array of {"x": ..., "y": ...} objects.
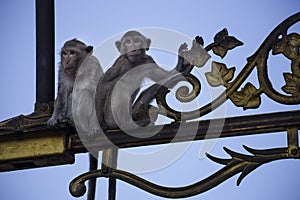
[
  {"x": 238, "y": 163},
  {"x": 278, "y": 42},
  {"x": 34, "y": 121}
]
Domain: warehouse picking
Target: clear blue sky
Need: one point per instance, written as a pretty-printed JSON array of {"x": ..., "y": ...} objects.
[{"x": 94, "y": 22}]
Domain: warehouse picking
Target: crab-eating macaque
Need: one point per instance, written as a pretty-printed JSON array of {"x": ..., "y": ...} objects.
[
  {"x": 119, "y": 86},
  {"x": 79, "y": 73},
  {"x": 80, "y": 66}
]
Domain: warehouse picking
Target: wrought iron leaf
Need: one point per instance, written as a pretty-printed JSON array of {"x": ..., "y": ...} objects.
[
  {"x": 247, "y": 97},
  {"x": 220, "y": 36},
  {"x": 288, "y": 46},
  {"x": 220, "y": 51},
  {"x": 292, "y": 85},
  {"x": 224, "y": 42},
  {"x": 219, "y": 74}
]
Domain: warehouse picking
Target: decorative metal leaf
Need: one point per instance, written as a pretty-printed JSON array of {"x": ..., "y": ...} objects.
[
  {"x": 292, "y": 85},
  {"x": 224, "y": 43},
  {"x": 220, "y": 36},
  {"x": 288, "y": 46},
  {"x": 219, "y": 74},
  {"x": 231, "y": 42},
  {"x": 247, "y": 97},
  {"x": 220, "y": 51}
]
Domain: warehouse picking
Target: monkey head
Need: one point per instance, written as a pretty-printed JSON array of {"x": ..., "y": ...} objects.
[
  {"x": 133, "y": 45},
  {"x": 72, "y": 55}
]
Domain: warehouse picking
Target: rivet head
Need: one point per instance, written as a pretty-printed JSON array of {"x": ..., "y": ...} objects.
[{"x": 294, "y": 151}]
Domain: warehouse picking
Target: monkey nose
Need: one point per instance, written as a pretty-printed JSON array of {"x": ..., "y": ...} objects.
[{"x": 67, "y": 60}]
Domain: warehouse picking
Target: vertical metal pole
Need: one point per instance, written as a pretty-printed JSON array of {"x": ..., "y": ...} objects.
[
  {"x": 109, "y": 161},
  {"x": 112, "y": 182},
  {"x": 44, "y": 51},
  {"x": 92, "y": 182}
]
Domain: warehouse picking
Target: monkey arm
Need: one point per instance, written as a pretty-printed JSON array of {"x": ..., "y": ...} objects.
[
  {"x": 118, "y": 69},
  {"x": 183, "y": 66},
  {"x": 60, "y": 108},
  {"x": 140, "y": 109}
]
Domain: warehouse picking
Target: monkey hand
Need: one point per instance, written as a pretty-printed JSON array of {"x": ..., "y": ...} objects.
[
  {"x": 196, "y": 56},
  {"x": 54, "y": 122},
  {"x": 182, "y": 48}
]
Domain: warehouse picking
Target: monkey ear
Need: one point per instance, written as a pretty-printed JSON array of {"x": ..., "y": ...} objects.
[
  {"x": 89, "y": 49},
  {"x": 118, "y": 45},
  {"x": 148, "y": 44}
]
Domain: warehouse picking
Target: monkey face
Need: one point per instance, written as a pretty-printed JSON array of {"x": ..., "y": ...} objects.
[
  {"x": 72, "y": 54},
  {"x": 69, "y": 60},
  {"x": 134, "y": 48},
  {"x": 133, "y": 45}
]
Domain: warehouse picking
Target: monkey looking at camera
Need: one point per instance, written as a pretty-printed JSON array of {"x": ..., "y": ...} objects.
[
  {"x": 79, "y": 73},
  {"x": 78, "y": 64},
  {"x": 119, "y": 86}
]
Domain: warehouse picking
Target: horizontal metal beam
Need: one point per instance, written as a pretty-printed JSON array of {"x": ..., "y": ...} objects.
[
  {"x": 198, "y": 130},
  {"x": 56, "y": 154},
  {"x": 35, "y": 149}
]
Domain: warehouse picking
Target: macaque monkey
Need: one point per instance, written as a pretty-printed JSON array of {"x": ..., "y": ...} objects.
[
  {"x": 79, "y": 73},
  {"x": 119, "y": 86},
  {"x": 71, "y": 103}
]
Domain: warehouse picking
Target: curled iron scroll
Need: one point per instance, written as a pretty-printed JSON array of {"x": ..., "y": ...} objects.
[{"x": 278, "y": 42}]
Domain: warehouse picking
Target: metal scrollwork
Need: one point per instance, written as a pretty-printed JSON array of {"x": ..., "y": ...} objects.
[
  {"x": 238, "y": 163},
  {"x": 278, "y": 42}
]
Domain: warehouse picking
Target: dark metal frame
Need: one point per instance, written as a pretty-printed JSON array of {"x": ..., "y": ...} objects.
[{"x": 280, "y": 41}]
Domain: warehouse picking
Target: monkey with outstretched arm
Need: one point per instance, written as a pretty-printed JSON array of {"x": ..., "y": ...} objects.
[{"x": 119, "y": 86}]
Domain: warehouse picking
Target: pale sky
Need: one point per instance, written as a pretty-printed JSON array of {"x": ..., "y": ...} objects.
[{"x": 95, "y": 22}]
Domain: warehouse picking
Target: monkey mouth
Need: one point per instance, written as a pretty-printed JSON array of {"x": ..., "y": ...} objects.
[
  {"x": 70, "y": 70},
  {"x": 70, "y": 67},
  {"x": 133, "y": 53}
]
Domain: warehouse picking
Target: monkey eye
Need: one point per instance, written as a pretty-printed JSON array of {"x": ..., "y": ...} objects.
[
  {"x": 64, "y": 53},
  {"x": 72, "y": 53},
  {"x": 137, "y": 42},
  {"x": 128, "y": 42}
]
